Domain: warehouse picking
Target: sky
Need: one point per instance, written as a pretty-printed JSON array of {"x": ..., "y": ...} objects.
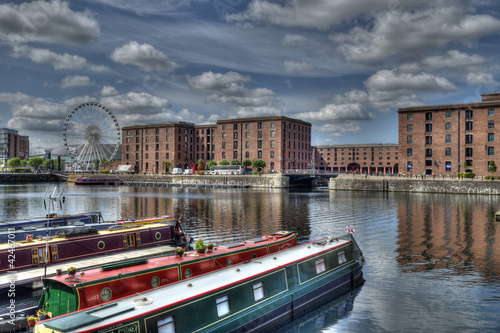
[{"x": 345, "y": 66}]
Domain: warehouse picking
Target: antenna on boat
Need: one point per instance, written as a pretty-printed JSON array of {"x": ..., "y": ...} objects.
[{"x": 48, "y": 202}]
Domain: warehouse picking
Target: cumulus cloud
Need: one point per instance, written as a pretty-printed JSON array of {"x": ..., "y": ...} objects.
[
  {"x": 401, "y": 82},
  {"x": 296, "y": 40},
  {"x": 480, "y": 78},
  {"x": 136, "y": 103},
  {"x": 412, "y": 33},
  {"x": 229, "y": 88},
  {"x": 76, "y": 81},
  {"x": 297, "y": 67},
  {"x": 108, "y": 91},
  {"x": 338, "y": 113},
  {"x": 25, "y": 106},
  {"x": 312, "y": 14},
  {"x": 453, "y": 59},
  {"x": 144, "y": 56},
  {"x": 44, "y": 56},
  {"x": 46, "y": 22}
]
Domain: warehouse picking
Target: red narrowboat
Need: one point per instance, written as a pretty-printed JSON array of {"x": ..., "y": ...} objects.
[{"x": 110, "y": 282}]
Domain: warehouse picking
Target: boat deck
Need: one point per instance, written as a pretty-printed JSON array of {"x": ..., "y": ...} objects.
[{"x": 34, "y": 275}]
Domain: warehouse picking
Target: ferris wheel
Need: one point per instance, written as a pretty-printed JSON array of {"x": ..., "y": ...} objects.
[{"x": 90, "y": 133}]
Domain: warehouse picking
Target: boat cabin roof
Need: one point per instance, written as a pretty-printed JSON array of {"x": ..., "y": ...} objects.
[
  {"x": 124, "y": 309},
  {"x": 142, "y": 264}
]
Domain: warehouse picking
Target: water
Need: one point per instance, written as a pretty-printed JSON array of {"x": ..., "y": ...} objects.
[{"x": 433, "y": 260}]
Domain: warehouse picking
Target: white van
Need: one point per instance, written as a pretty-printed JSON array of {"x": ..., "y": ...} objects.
[
  {"x": 176, "y": 171},
  {"x": 188, "y": 171}
]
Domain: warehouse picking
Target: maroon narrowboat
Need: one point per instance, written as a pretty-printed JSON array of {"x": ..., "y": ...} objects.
[
  {"x": 109, "y": 282},
  {"x": 78, "y": 243}
]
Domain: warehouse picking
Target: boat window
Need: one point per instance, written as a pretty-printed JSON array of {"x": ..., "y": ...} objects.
[
  {"x": 258, "y": 291},
  {"x": 166, "y": 325},
  {"x": 158, "y": 235},
  {"x": 320, "y": 265},
  {"x": 342, "y": 257},
  {"x": 229, "y": 262},
  {"x": 155, "y": 281},
  {"x": 222, "y": 305},
  {"x": 106, "y": 294},
  {"x": 101, "y": 245},
  {"x": 188, "y": 273}
]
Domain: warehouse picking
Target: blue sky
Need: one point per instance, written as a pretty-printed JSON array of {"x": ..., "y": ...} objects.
[{"x": 346, "y": 66}]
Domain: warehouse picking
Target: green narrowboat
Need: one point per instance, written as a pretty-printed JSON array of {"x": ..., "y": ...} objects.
[{"x": 258, "y": 295}]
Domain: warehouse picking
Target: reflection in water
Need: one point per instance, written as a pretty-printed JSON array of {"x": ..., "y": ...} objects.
[{"x": 452, "y": 232}]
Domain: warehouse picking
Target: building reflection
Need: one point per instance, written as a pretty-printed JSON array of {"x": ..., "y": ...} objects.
[{"x": 442, "y": 231}]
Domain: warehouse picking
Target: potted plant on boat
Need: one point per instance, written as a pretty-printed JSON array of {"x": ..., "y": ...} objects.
[
  {"x": 210, "y": 246},
  {"x": 32, "y": 321},
  {"x": 180, "y": 251},
  {"x": 42, "y": 314},
  {"x": 72, "y": 271},
  {"x": 200, "y": 247}
]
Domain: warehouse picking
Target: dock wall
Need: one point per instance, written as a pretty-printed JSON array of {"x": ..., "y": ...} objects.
[{"x": 395, "y": 184}]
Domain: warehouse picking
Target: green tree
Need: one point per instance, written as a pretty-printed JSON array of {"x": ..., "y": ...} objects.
[
  {"x": 48, "y": 164},
  {"x": 35, "y": 162},
  {"x": 200, "y": 164},
  {"x": 247, "y": 163},
  {"x": 105, "y": 162},
  {"x": 210, "y": 165},
  {"x": 492, "y": 167},
  {"x": 97, "y": 164},
  {"x": 14, "y": 162},
  {"x": 235, "y": 162},
  {"x": 466, "y": 166},
  {"x": 259, "y": 164},
  {"x": 223, "y": 162},
  {"x": 24, "y": 162}
]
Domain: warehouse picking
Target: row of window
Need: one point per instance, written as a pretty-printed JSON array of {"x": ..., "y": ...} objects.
[
  {"x": 447, "y": 139},
  {"x": 356, "y": 149},
  {"x": 468, "y": 115},
  {"x": 447, "y": 152},
  {"x": 447, "y": 165},
  {"x": 468, "y": 126}
]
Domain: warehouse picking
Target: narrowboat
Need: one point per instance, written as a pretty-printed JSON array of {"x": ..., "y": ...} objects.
[
  {"x": 98, "y": 181},
  {"x": 15, "y": 230},
  {"x": 78, "y": 243},
  {"x": 110, "y": 282},
  {"x": 37, "y": 228},
  {"x": 259, "y": 295}
]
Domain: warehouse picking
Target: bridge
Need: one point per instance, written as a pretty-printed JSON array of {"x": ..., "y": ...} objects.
[{"x": 305, "y": 178}]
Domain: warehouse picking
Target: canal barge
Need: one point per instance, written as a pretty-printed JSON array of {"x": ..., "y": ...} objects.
[
  {"x": 259, "y": 295},
  {"x": 37, "y": 228},
  {"x": 98, "y": 181},
  {"x": 38, "y": 225},
  {"x": 96, "y": 286},
  {"x": 77, "y": 243}
]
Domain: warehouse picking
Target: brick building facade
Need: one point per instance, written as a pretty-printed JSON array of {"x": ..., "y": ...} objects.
[
  {"x": 281, "y": 142},
  {"x": 13, "y": 145},
  {"x": 438, "y": 139},
  {"x": 357, "y": 158}
]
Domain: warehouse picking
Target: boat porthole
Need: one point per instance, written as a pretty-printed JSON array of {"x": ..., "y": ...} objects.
[
  {"x": 229, "y": 262},
  {"x": 158, "y": 235},
  {"x": 254, "y": 255},
  {"x": 101, "y": 245},
  {"x": 106, "y": 294},
  {"x": 188, "y": 273},
  {"x": 155, "y": 281}
]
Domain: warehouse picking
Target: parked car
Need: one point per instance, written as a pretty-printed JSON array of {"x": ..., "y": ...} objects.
[{"x": 176, "y": 171}]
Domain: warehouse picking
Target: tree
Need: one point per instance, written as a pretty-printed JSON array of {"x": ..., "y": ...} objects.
[
  {"x": 247, "y": 163},
  {"x": 105, "y": 162},
  {"x": 223, "y": 162},
  {"x": 210, "y": 165},
  {"x": 235, "y": 162},
  {"x": 35, "y": 162},
  {"x": 24, "y": 162},
  {"x": 48, "y": 164},
  {"x": 200, "y": 164},
  {"x": 492, "y": 167},
  {"x": 466, "y": 166},
  {"x": 259, "y": 164},
  {"x": 14, "y": 162}
]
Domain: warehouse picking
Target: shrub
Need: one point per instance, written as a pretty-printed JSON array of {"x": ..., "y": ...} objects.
[
  {"x": 469, "y": 175},
  {"x": 489, "y": 177},
  {"x": 104, "y": 171}
]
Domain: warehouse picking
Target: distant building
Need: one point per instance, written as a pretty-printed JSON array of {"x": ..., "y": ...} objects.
[
  {"x": 13, "y": 145},
  {"x": 438, "y": 139},
  {"x": 369, "y": 158},
  {"x": 281, "y": 142}
]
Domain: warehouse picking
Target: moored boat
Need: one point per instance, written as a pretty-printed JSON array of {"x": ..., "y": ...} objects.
[
  {"x": 98, "y": 181},
  {"x": 110, "y": 282},
  {"x": 259, "y": 295},
  {"x": 16, "y": 230},
  {"x": 77, "y": 243}
]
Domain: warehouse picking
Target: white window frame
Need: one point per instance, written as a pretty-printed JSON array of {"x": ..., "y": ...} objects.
[
  {"x": 320, "y": 265},
  {"x": 342, "y": 257},
  {"x": 222, "y": 305},
  {"x": 258, "y": 291}
]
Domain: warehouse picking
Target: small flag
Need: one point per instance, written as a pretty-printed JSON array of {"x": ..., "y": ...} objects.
[{"x": 350, "y": 229}]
